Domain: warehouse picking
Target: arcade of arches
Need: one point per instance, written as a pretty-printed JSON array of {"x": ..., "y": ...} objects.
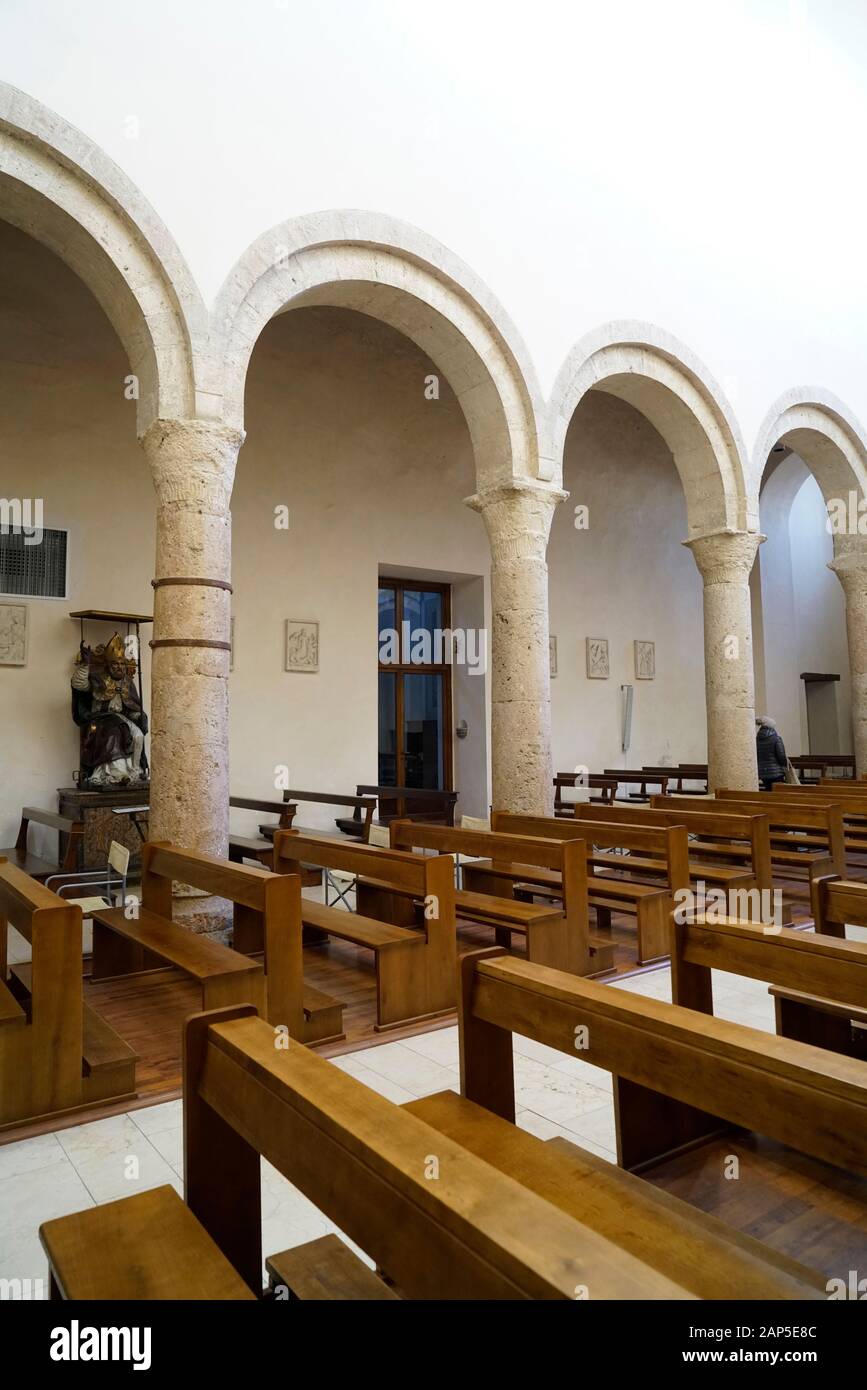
[{"x": 352, "y": 440}]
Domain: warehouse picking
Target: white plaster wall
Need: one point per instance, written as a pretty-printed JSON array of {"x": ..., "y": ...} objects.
[
  {"x": 589, "y": 161},
  {"x": 628, "y": 577},
  {"x": 803, "y": 608}
]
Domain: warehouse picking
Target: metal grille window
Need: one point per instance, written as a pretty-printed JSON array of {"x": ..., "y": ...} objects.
[{"x": 33, "y": 571}]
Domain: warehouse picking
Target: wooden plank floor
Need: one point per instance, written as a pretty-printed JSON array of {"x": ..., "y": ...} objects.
[{"x": 796, "y": 1204}]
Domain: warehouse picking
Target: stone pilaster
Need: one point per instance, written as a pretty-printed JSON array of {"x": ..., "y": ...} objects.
[
  {"x": 518, "y": 522},
  {"x": 850, "y": 567},
  {"x": 193, "y": 467},
  {"x": 725, "y": 560}
]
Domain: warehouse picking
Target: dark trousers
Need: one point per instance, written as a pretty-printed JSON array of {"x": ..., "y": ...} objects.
[{"x": 768, "y": 783}]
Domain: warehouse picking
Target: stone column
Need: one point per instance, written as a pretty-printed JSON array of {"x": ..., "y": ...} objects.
[
  {"x": 850, "y": 567},
  {"x": 193, "y": 466},
  {"x": 518, "y": 521},
  {"x": 725, "y": 560}
]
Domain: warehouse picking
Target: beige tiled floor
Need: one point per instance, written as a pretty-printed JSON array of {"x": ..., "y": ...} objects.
[{"x": 97, "y": 1162}]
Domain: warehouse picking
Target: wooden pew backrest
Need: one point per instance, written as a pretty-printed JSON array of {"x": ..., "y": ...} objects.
[{"x": 668, "y": 841}]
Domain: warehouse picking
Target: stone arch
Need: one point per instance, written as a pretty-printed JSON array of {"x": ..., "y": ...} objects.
[
  {"x": 61, "y": 189},
  {"x": 393, "y": 272},
  {"x": 650, "y": 370},
  {"x": 822, "y": 431}
]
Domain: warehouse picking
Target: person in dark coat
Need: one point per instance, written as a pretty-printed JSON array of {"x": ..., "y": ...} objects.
[{"x": 771, "y": 752}]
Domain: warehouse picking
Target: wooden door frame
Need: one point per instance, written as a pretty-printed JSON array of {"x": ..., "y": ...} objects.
[{"x": 399, "y": 669}]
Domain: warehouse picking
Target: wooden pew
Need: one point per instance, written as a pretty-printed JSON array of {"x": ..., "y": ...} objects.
[
  {"x": 415, "y": 966},
  {"x": 684, "y": 772},
  {"x": 646, "y": 1044},
  {"x": 260, "y": 849},
  {"x": 267, "y": 918},
  {"x": 56, "y": 1053},
  {"x": 820, "y": 763},
  {"x": 819, "y": 981},
  {"x": 405, "y": 803},
  {"x": 557, "y": 936},
  {"x": 630, "y": 777},
  {"x": 807, "y": 837},
  {"x": 829, "y": 1019},
  {"x": 651, "y": 905},
  {"x": 668, "y": 1063},
  {"x": 476, "y": 1233},
  {"x": 606, "y": 786},
  {"x": 35, "y": 865},
  {"x": 715, "y": 831},
  {"x": 851, "y": 795}
]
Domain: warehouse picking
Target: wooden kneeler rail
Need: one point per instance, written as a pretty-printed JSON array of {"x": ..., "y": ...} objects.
[{"x": 667, "y": 1061}]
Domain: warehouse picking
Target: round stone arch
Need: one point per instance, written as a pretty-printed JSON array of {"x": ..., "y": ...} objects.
[
  {"x": 61, "y": 189},
  {"x": 661, "y": 378},
  {"x": 823, "y": 432},
  {"x": 395, "y": 273}
]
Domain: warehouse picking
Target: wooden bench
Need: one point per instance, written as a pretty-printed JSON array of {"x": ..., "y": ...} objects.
[
  {"x": 715, "y": 832},
  {"x": 266, "y": 917},
  {"x": 415, "y": 967},
  {"x": 684, "y": 772},
  {"x": 35, "y": 865},
  {"x": 606, "y": 786},
  {"x": 850, "y": 795},
  {"x": 404, "y": 803},
  {"x": 260, "y": 849},
  {"x": 668, "y": 1064},
  {"x": 629, "y": 777},
  {"x": 608, "y": 889},
  {"x": 56, "y": 1053},
  {"x": 829, "y": 1019},
  {"x": 502, "y": 995},
  {"x": 557, "y": 936},
  {"x": 807, "y": 838},
  {"x": 476, "y": 1233},
  {"x": 819, "y": 983}
]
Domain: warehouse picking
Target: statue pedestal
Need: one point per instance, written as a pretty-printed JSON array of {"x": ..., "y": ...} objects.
[{"x": 101, "y": 826}]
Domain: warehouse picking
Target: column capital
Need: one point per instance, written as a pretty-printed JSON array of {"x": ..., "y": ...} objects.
[
  {"x": 518, "y": 518},
  {"x": 850, "y": 562},
  {"x": 725, "y": 557},
  {"x": 193, "y": 462}
]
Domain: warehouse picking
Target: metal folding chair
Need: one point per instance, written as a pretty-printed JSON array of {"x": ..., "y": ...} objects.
[{"x": 112, "y": 878}]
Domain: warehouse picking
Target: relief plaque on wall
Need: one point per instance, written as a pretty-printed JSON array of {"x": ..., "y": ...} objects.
[
  {"x": 597, "y": 659},
  {"x": 302, "y": 645},
  {"x": 645, "y": 661},
  {"x": 13, "y": 634}
]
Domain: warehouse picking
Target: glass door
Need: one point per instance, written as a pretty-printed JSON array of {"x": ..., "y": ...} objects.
[{"x": 414, "y": 685}]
